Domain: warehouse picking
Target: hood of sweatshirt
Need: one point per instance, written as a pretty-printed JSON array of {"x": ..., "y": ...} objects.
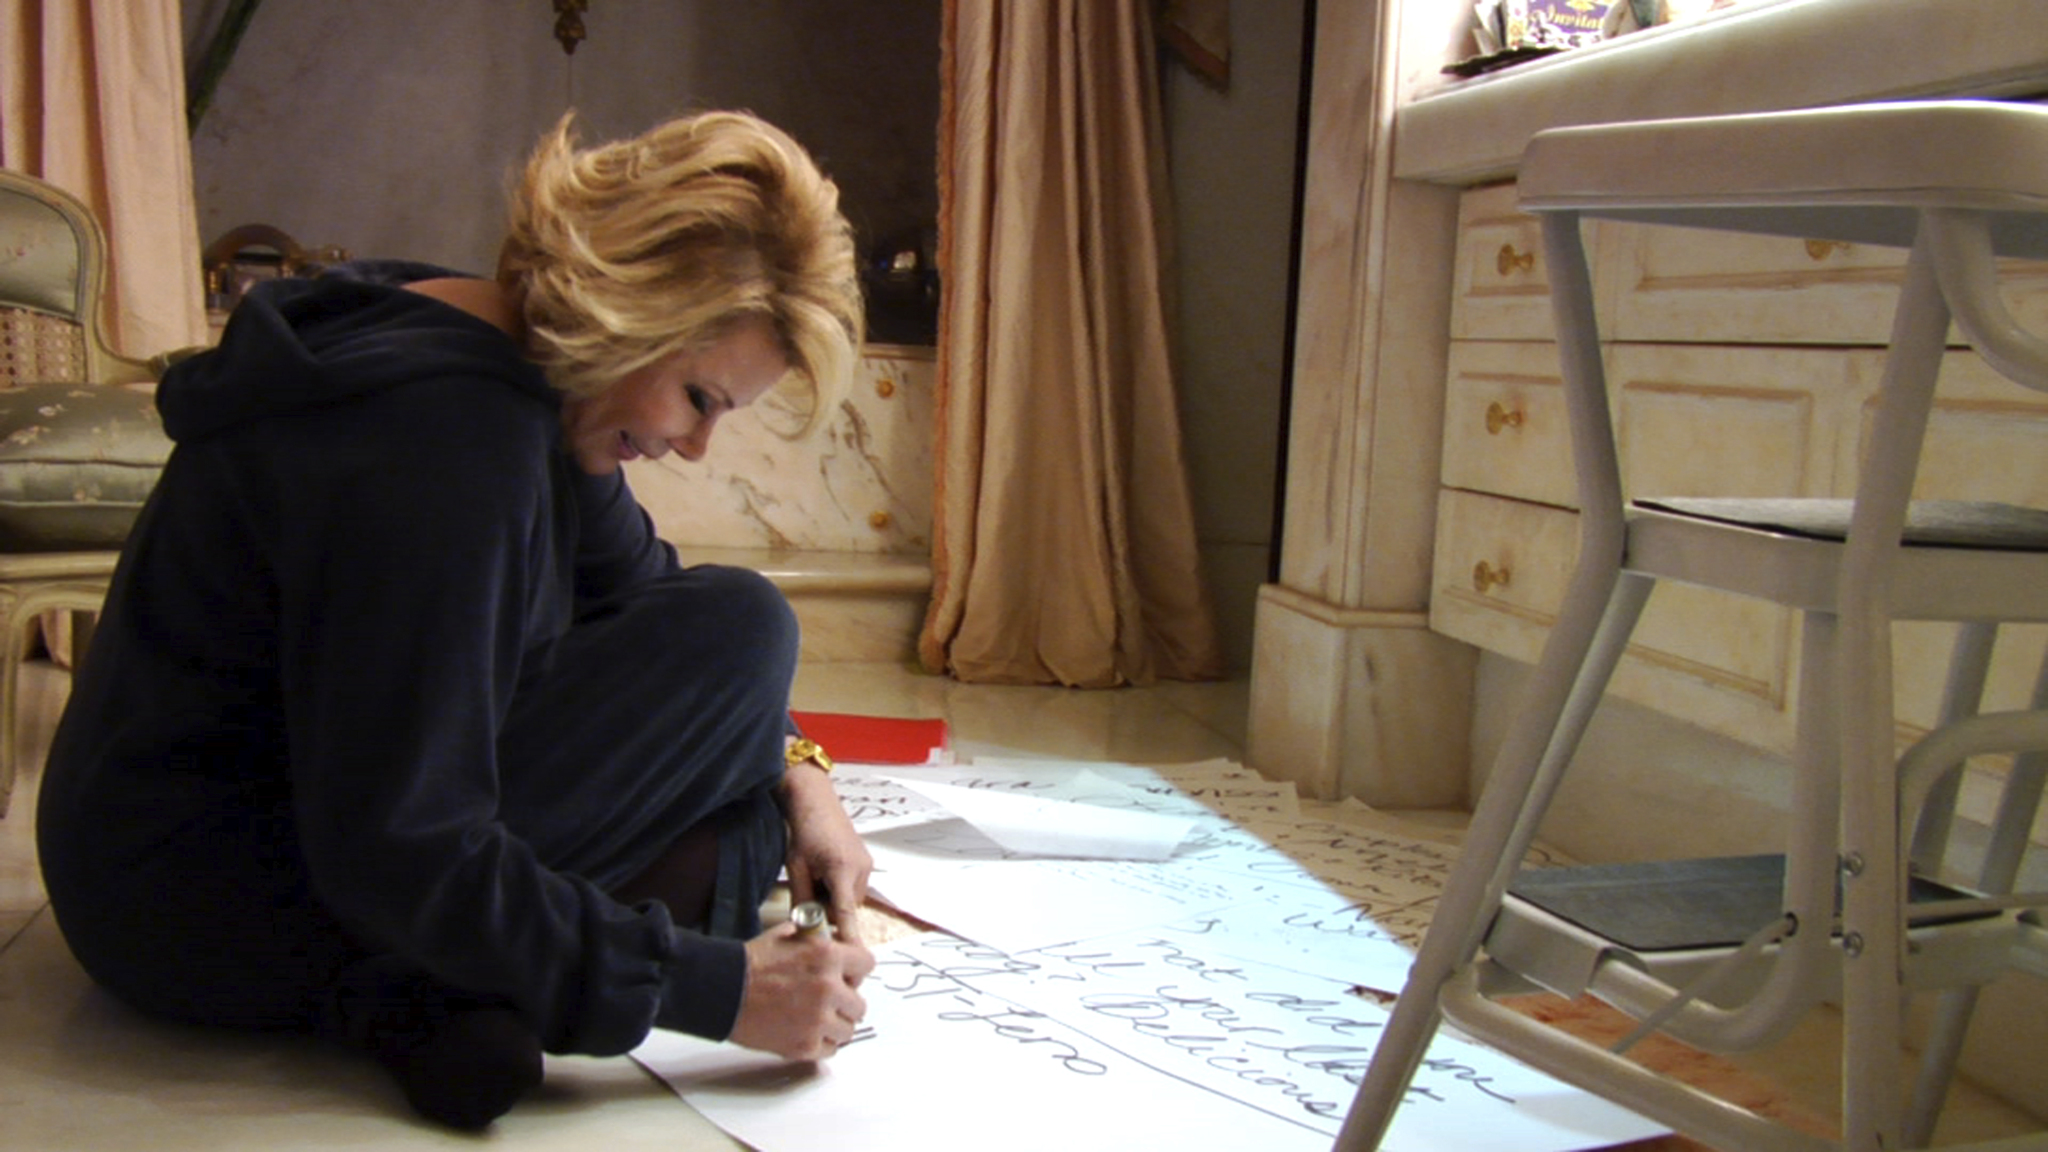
[{"x": 294, "y": 344}]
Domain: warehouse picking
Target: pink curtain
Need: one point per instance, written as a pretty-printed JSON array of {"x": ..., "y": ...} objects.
[
  {"x": 92, "y": 99},
  {"x": 1064, "y": 543}
]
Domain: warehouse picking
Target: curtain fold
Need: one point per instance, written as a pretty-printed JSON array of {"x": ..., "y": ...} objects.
[
  {"x": 1064, "y": 546},
  {"x": 92, "y": 99}
]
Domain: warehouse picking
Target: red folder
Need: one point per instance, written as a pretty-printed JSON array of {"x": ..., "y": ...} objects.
[{"x": 875, "y": 739}]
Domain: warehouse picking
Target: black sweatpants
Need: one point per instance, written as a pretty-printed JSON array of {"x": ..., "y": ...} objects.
[{"x": 656, "y": 714}]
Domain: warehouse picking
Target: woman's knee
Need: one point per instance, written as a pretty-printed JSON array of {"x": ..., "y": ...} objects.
[
  {"x": 736, "y": 620},
  {"x": 670, "y": 703},
  {"x": 749, "y": 607}
]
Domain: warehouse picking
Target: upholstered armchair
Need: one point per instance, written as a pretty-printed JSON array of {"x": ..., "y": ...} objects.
[{"x": 80, "y": 443}]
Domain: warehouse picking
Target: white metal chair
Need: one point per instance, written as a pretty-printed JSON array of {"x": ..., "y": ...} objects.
[
  {"x": 1956, "y": 182},
  {"x": 77, "y": 451}
]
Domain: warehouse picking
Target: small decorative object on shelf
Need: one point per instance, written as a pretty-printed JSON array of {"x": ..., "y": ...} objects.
[
  {"x": 1510, "y": 31},
  {"x": 244, "y": 255},
  {"x": 1635, "y": 14}
]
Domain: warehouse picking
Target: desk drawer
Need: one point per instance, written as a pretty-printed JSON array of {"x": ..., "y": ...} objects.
[
  {"x": 1501, "y": 288},
  {"x": 1504, "y": 422},
  {"x": 1501, "y": 567},
  {"x": 1697, "y": 286},
  {"x": 1732, "y": 421},
  {"x": 1720, "y": 661}
]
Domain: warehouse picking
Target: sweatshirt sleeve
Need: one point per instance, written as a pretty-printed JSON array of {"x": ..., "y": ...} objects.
[
  {"x": 412, "y": 574},
  {"x": 617, "y": 547}
]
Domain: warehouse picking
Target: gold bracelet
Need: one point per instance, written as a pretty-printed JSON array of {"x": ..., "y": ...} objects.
[{"x": 806, "y": 750}]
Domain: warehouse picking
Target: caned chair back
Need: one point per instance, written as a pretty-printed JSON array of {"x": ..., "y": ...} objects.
[{"x": 52, "y": 276}]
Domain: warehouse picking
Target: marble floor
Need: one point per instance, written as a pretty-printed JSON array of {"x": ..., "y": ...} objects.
[{"x": 80, "y": 1072}]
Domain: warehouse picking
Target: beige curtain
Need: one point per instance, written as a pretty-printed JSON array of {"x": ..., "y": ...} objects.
[
  {"x": 1064, "y": 543},
  {"x": 92, "y": 99}
]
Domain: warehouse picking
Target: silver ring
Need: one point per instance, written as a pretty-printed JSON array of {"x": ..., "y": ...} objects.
[{"x": 809, "y": 917}]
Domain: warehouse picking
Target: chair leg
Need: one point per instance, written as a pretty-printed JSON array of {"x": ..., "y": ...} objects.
[
  {"x": 11, "y": 641},
  {"x": 2011, "y": 831},
  {"x": 1873, "y": 883},
  {"x": 1806, "y": 960},
  {"x": 21, "y": 606},
  {"x": 1577, "y": 662},
  {"x": 1598, "y": 1070},
  {"x": 1950, "y": 1025},
  {"x": 1873, "y": 862},
  {"x": 1938, "y": 1058},
  {"x": 2013, "y": 825},
  {"x": 1561, "y": 684},
  {"x": 1969, "y": 666},
  {"x": 83, "y": 623}
]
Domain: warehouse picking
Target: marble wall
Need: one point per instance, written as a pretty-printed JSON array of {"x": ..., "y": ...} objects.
[{"x": 860, "y": 483}]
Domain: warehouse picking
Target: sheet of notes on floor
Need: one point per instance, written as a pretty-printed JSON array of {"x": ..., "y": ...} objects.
[{"x": 1091, "y": 990}]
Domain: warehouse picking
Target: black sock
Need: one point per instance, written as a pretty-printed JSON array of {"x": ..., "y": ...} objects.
[
  {"x": 460, "y": 1062},
  {"x": 468, "y": 1068},
  {"x": 684, "y": 877}
]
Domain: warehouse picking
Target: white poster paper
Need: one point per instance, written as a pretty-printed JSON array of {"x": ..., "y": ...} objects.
[{"x": 1131, "y": 1042}]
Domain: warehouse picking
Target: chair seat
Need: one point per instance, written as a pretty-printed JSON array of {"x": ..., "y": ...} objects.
[
  {"x": 77, "y": 461},
  {"x": 1929, "y": 523},
  {"x": 1792, "y": 559},
  {"x": 1561, "y": 928},
  {"x": 1674, "y": 905},
  {"x": 1532, "y": 948}
]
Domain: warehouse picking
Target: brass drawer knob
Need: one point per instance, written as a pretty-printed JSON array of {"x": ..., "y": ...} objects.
[
  {"x": 1485, "y": 577},
  {"x": 1510, "y": 260},
  {"x": 1820, "y": 249},
  {"x": 1500, "y": 417}
]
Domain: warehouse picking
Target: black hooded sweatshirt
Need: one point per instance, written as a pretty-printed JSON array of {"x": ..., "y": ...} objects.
[{"x": 368, "y": 533}]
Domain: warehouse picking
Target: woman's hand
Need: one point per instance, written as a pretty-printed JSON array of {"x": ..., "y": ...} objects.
[
  {"x": 801, "y": 1002},
  {"x": 824, "y": 850}
]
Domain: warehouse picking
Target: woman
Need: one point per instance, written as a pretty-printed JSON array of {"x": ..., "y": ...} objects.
[{"x": 401, "y": 725}]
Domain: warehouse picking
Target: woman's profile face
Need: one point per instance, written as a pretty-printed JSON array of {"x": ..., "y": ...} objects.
[{"x": 674, "y": 404}]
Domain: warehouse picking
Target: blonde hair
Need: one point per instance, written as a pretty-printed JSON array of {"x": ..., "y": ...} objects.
[{"x": 630, "y": 252}]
